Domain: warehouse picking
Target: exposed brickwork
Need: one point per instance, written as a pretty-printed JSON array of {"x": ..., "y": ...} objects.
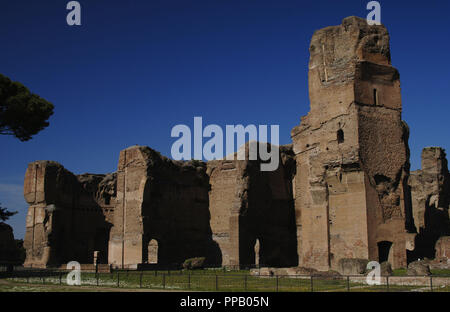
[
  {"x": 351, "y": 150},
  {"x": 68, "y": 218}
]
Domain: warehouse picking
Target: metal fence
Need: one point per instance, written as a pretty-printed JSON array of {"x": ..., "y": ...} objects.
[{"x": 204, "y": 280}]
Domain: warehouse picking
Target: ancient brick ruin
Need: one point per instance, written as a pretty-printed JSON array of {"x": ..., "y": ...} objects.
[
  {"x": 342, "y": 190},
  {"x": 430, "y": 193},
  {"x": 69, "y": 216},
  {"x": 161, "y": 211},
  {"x": 351, "y": 150},
  {"x": 253, "y": 210}
]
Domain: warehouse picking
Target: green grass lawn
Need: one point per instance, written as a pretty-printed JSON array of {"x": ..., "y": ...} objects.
[
  {"x": 218, "y": 280},
  {"x": 444, "y": 272},
  {"x": 402, "y": 272},
  {"x": 38, "y": 288}
]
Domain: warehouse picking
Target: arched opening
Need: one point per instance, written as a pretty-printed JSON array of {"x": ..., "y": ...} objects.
[
  {"x": 153, "y": 252},
  {"x": 340, "y": 136},
  {"x": 384, "y": 249},
  {"x": 375, "y": 96}
]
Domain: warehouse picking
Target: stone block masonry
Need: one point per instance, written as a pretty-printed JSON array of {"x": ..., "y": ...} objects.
[{"x": 69, "y": 216}]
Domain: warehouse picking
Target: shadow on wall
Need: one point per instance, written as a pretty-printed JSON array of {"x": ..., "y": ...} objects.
[
  {"x": 66, "y": 220},
  {"x": 176, "y": 215},
  {"x": 436, "y": 225},
  {"x": 430, "y": 192},
  {"x": 267, "y": 221}
]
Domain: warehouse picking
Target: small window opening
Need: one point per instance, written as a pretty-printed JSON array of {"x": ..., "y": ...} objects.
[
  {"x": 375, "y": 96},
  {"x": 340, "y": 136}
]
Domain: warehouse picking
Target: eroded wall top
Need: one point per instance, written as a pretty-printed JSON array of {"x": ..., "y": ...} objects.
[{"x": 343, "y": 59}]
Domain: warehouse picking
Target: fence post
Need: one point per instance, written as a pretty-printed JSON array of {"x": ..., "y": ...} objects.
[
  {"x": 245, "y": 282},
  {"x": 97, "y": 277},
  {"x": 277, "y": 282},
  {"x": 189, "y": 280},
  {"x": 217, "y": 282},
  {"x": 312, "y": 285},
  {"x": 43, "y": 279},
  {"x": 164, "y": 280},
  {"x": 431, "y": 282},
  {"x": 60, "y": 278},
  {"x": 140, "y": 279},
  {"x": 387, "y": 282},
  {"x": 348, "y": 283},
  {"x": 118, "y": 280}
]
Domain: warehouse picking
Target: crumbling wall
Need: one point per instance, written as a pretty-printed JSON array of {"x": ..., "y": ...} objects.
[
  {"x": 430, "y": 192},
  {"x": 227, "y": 181},
  {"x": 64, "y": 221},
  {"x": 442, "y": 248},
  {"x": 252, "y": 207},
  {"x": 163, "y": 203},
  {"x": 351, "y": 150}
]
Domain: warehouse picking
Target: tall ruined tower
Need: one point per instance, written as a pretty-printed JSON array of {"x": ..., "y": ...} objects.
[{"x": 351, "y": 151}]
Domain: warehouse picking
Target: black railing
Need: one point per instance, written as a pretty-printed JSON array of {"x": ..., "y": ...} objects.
[{"x": 215, "y": 280}]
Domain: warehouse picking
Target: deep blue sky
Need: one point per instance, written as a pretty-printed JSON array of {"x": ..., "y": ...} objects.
[{"x": 136, "y": 68}]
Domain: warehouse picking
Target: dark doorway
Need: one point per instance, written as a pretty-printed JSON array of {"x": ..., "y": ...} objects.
[
  {"x": 384, "y": 248},
  {"x": 375, "y": 96},
  {"x": 340, "y": 136}
]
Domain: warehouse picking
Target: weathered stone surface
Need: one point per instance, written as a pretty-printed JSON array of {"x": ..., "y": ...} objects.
[
  {"x": 194, "y": 263},
  {"x": 418, "y": 268},
  {"x": 386, "y": 269},
  {"x": 442, "y": 248},
  {"x": 430, "y": 196},
  {"x": 292, "y": 271},
  {"x": 351, "y": 266},
  {"x": 160, "y": 200},
  {"x": 301, "y": 271},
  {"x": 247, "y": 205},
  {"x": 66, "y": 218},
  {"x": 263, "y": 272},
  {"x": 351, "y": 150}
]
